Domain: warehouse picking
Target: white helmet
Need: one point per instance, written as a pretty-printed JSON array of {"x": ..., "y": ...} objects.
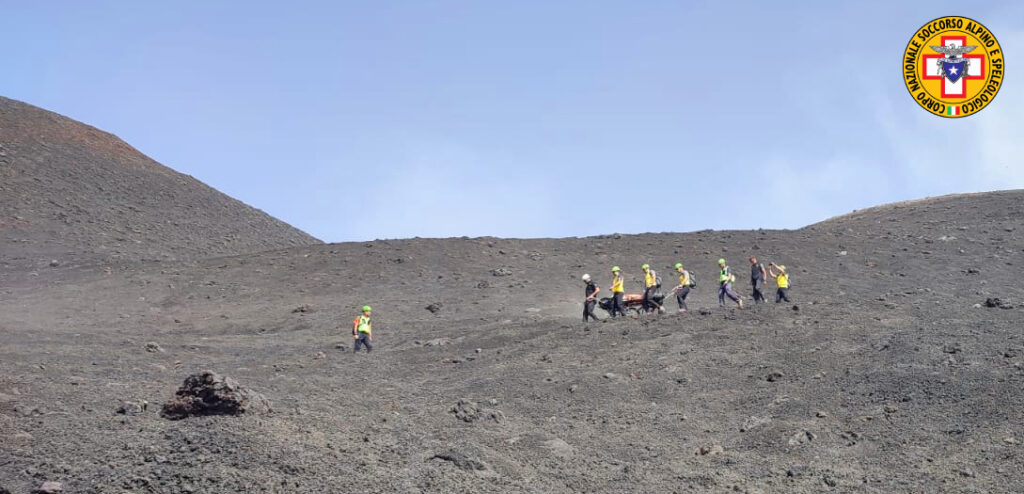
[{"x": 586, "y": 277}]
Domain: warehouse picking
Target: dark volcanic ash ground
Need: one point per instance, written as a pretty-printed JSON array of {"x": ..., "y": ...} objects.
[
  {"x": 895, "y": 369},
  {"x": 882, "y": 376}
]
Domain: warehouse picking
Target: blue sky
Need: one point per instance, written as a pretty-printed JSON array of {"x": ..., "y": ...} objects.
[{"x": 362, "y": 120}]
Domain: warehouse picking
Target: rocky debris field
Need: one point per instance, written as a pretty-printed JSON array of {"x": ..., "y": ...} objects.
[{"x": 895, "y": 369}]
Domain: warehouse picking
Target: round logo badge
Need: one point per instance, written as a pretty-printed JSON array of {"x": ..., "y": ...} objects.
[{"x": 953, "y": 66}]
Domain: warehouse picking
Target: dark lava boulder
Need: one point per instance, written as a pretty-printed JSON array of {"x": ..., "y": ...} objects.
[{"x": 209, "y": 393}]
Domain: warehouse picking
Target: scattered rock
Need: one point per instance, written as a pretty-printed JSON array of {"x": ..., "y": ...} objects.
[
  {"x": 973, "y": 271},
  {"x": 152, "y": 347},
  {"x": 558, "y": 447},
  {"x": 704, "y": 311},
  {"x": 436, "y": 342},
  {"x": 610, "y": 375},
  {"x": 754, "y": 422},
  {"x": 461, "y": 460},
  {"x": 49, "y": 487},
  {"x": 891, "y": 409},
  {"x": 209, "y": 393},
  {"x": 1010, "y": 440},
  {"x": 470, "y": 411},
  {"x": 796, "y": 470},
  {"x": 712, "y": 450},
  {"x": 951, "y": 348},
  {"x": 20, "y": 436},
  {"x": 532, "y": 310},
  {"x": 320, "y": 356},
  {"x": 829, "y": 481},
  {"x": 802, "y": 437},
  {"x": 132, "y": 407},
  {"x": 434, "y": 308},
  {"x": 820, "y": 414},
  {"x": 302, "y": 309},
  {"x": 842, "y": 253},
  {"x": 573, "y": 388},
  {"x": 341, "y": 346},
  {"x": 773, "y": 376},
  {"x": 28, "y": 411},
  {"x": 796, "y": 308},
  {"x": 996, "y": 302},
  {"x": 54, "y": 263},
  {"x": 501, "y": 272}
]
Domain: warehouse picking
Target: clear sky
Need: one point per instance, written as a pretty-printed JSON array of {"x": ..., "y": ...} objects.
[{"x": 384, "y": 119}]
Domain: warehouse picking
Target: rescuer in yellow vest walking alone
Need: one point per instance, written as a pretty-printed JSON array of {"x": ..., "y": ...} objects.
[{"x": 362, "y": 330}]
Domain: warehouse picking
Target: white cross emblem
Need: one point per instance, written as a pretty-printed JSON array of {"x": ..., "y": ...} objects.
[{"x": 958, "y": 89}]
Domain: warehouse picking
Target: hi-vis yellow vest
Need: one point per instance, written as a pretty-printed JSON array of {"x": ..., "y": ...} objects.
[
  {"x": 725, "y": 276},
  {"x": 649, "y": 279},
  {"x": 617, "y": 284},
  {"x": 363, "y": 324},
  {"x": 783, "y": 280}
]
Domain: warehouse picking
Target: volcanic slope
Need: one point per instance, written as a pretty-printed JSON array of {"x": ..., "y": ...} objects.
[
  {"x": 75, "y": 194},
  {"x": 888, "y": 372}
]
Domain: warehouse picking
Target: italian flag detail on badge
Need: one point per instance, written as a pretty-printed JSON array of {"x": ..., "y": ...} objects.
[{"x": 952, "y": 110}]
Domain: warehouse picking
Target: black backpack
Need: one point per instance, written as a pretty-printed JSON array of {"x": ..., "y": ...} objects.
[{"x": 693, "y": 280}]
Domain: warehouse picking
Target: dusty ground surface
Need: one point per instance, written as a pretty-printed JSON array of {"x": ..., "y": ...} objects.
[
  {"x": 882, "y": 375},
  {"x": 74, "y": 194}
]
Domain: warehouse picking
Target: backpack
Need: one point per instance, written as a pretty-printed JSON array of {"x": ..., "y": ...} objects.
[
  {"x": 693, "y": 280},
  {"x": 657, "y": 278}
]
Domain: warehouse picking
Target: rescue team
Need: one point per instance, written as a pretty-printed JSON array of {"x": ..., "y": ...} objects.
[
  {"x": 362, "y": 326},
  {"x": 652, "y": 300}
]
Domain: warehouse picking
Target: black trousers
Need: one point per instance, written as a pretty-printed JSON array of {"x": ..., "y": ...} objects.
[
  {"x": 617, "y": 306},
  {"x": 681, "y": 297},
  {"x": 363, "y": 339},
  {"x": 649, "y": 294},
  {"x": 782, "y": 294},
  {"x": 588, "y": 310},
  {"x": 758, "y": 291}
]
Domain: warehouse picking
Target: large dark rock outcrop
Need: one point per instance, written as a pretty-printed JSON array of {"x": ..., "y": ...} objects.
[{"x": 209, "y": 393}]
